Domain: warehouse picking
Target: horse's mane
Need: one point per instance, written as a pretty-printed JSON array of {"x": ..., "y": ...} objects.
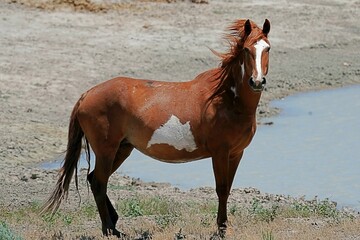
[{"x": 230, "y": 61}]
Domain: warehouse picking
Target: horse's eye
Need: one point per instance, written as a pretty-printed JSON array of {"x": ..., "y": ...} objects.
[{"x": 268, "y": 49}]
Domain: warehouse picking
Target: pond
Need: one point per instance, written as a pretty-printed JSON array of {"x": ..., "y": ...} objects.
[{"x": 312, "y": 149}]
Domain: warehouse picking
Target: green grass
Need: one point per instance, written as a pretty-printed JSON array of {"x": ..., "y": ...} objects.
[
  {"x": 121, "y": 187},
  {"x": 147, "y": 206},
  {"x": 146, "y": 216},
  {"x": 261, "y": 213},
  {"x": 299, "y": 209},
  {"x": 6, "y": 233},
  {"x": 268, "y": 235},
  {"x": 165, "y": 211},
  {"x": 324, "y": 208},
  {"x": 87, "y": 211}
]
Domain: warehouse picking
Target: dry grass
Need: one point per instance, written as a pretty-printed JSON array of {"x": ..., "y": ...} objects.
[{"x": 143, "y": 217}]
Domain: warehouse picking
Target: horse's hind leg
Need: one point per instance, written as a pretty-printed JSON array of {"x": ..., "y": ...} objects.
[
  {"x": 98, "y": 181},
  {"x": 113, "y": 215},
  {"x": 122, "y": 153}
]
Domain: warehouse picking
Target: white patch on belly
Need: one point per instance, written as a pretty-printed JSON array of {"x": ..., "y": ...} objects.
[{"x": 175, "y": 134}]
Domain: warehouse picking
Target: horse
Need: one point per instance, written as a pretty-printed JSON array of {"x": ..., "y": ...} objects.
[{"x": 213, "y": 115}]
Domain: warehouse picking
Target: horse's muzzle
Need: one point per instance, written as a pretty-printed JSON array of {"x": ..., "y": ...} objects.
[{"x": 257, "y": 86}]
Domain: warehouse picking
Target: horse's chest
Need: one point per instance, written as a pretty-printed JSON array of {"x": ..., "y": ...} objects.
[
  {"x": 237, "y": 134},
  {"x": 244, "y": 135}
]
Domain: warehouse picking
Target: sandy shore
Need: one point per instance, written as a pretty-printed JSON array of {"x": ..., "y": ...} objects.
[{"x": 50, "y": 54}]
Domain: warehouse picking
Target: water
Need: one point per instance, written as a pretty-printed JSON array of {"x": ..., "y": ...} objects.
[{"x": 312, "y": 149}]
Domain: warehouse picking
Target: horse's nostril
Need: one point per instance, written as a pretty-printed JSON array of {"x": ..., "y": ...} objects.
[
  {"x": 263, "y": 81},
  {"x": 251, "y": 81}
]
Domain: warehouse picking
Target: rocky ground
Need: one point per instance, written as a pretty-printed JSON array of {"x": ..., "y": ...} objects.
[{"x": 52, "y": 51}]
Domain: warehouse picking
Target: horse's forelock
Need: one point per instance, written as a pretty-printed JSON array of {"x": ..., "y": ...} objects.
[
  {"x": 236, "y": 39},
  {"x": 237, "y": 32}
]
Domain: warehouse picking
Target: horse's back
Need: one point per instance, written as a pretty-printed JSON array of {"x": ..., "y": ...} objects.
[{"x": 161, "y": 119}]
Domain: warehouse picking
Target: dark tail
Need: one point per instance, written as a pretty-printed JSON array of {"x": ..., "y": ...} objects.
[{"x": 70, "y": 164}]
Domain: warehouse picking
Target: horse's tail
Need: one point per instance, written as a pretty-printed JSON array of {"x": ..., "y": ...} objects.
[{"x": 70, "y": 164}]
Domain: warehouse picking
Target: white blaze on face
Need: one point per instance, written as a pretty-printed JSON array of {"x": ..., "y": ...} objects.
[
  {"x": 259, "y": 46},
  {"x": 175, "y": 134}
]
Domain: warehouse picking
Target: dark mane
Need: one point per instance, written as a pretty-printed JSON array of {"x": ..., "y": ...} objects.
[{"x": 231, "y": 61}]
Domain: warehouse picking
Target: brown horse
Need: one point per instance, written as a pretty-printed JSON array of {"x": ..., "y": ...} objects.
[{"x": 213, "y": 115}]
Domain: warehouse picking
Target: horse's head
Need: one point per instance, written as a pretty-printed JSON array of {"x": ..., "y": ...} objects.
[
  {"x": 256, "y": 54},
  {"x": 247, "y": 62}
]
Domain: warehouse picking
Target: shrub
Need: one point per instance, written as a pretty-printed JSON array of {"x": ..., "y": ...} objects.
[{"x": 261, "y": 213}]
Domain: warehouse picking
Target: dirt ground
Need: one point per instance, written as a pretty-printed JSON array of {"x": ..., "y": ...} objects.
[{"x": 50, "y": 53}]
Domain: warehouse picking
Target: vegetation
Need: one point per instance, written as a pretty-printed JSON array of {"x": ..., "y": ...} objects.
[
  {"x": 268, "y": 235},
  {"x": 156, "y": 217},
  {"x": 6, "y": 233}
]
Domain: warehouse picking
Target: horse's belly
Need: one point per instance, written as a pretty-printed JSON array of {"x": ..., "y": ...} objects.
[{"x": 167, "y": 153}]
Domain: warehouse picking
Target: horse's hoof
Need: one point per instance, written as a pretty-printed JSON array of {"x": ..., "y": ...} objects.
[
  {"x": 220, "y": 234},
  {"x": 114, "y": 232},
  {"x": 222, "y": 231},
  {"x": 120, "y": 235}
]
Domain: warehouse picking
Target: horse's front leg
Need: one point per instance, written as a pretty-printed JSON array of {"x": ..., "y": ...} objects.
[{"x": 224, "y": 170}]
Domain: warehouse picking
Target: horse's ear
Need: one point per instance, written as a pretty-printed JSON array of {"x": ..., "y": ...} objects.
[
  {"x": 247, "y": 28},
  {"x": 266, "y": 27}
]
